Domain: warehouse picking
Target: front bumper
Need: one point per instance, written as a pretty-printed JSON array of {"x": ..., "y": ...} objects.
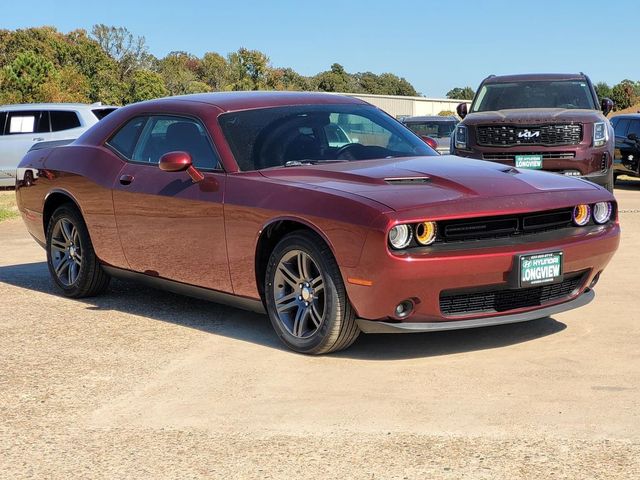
[
  {"x": 368, "y": 326},
  {"x": 422, "y": 277}
]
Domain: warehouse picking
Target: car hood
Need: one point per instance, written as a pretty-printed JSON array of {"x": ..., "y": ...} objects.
[
  {"x": 413, "y": 182},
  {"x": 529, "y": 116}
]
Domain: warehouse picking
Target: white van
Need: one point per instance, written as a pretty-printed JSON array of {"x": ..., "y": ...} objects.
[{"x": 21, "y": 126}]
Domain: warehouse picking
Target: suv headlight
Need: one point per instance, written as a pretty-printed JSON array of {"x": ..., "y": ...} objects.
[
  {"x": 461, "y": 137},
  {"x": 600, "y": 134}
]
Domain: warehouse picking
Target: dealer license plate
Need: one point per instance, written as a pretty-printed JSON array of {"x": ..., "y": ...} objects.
[
  {"x": 540, "y": 268},
  {"x": 529, "y": 161}
]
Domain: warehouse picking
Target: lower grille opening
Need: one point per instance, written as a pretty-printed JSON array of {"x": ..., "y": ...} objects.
[
  {"x": 544, "y": 155},
  {"x": 503, "y": 300}
]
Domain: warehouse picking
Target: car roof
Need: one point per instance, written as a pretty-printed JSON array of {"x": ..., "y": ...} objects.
[
  {"x": 633, "y": 116},
  {"x": 231, "y": 101},
  {"x": 54, "y": 106},
  {"x": 429, "y": 118},
  {"x": 533, "y": 77}
]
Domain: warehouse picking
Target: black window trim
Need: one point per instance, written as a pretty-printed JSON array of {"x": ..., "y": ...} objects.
[{"x": 147, "y": 117}]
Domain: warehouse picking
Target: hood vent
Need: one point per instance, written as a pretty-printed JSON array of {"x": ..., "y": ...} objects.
[
  {"x": 406, "y": 180},
  {"x": 510, "y": 170}
]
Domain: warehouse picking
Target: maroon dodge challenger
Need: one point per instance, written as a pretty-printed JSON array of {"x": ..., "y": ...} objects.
[{"x": 319, "y": 209}]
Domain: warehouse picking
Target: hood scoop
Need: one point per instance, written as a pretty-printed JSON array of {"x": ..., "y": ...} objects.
[
  {"x": 407, "y": 180},
  {"x": 511, "y": 170}
]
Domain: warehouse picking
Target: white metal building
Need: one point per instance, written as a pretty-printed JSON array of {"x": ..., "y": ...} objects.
[{"x": 398, "y": 106}]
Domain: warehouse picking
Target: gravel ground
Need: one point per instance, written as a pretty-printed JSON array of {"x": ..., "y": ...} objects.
[{"x": 143, "y": 384}]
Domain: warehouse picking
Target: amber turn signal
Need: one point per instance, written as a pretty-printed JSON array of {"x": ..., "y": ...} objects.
[{"x": 426, "y": 233}]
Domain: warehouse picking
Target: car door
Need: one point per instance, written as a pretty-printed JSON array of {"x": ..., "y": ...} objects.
[
  {"x": 170, "y": 226},
  {"x": 22, "y": 129}
]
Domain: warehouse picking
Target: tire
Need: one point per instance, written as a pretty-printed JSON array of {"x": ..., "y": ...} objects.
[
  {"x": 315, "y": 315},
  {"x": 72, "y": 262}
]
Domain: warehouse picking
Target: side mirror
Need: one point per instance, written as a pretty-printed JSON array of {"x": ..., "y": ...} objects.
[
  {"x": 462, "y": 110},
  {"x": 180, "y": 162},
  {"x": 606, "y": 105},
  {"x": 633, "y": 137},
  {"x": 429, "y": 141}
]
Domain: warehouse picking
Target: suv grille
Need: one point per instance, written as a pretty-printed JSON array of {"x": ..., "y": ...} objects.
[
  {"x": 502, "y": 300},
  {"x": 544, "y": 155},
  {"x": 504, "y": 226},
  {"x": 508, "y": 135}
]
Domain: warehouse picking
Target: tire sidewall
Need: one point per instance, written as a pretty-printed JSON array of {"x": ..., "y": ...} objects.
[
  {"x": 74, "y": 216},
  {"x": 333, "y": 309}
]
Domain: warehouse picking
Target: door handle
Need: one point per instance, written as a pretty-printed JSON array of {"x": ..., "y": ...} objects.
[
  {"x": 126, "y": 179},
  {"x": 38, "y": 139}
]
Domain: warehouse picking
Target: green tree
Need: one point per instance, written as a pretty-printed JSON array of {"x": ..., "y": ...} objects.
[
  {"x": 625, "y": 94},
  {"x": 146, "y": 85},
  {"x": 179, "y": 72},
  {"x": 248, "y": 70},
  {"x": 130, "y": 52},
  {"x": 337, "y": 80},
  {"x": 461, "y": 93},
  {"x": 446, "y": 113},
  {"x": 214, "y": 71},
  {"x": 26, "y": 76},
  {"x": 603, "y": 90}
]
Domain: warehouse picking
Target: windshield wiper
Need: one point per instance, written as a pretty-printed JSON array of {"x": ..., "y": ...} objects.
[{"x": 298, "y": 163}]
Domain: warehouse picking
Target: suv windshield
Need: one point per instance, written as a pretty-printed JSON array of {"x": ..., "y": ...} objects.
[
  {"x": 537, "y": 94},
  {"x": 294, "y": 135},
  {"x": 435, "y": 129}
]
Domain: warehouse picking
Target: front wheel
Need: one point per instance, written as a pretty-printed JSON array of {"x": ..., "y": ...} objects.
[
  {"x": 306, "y": 298},
  {"x": 72, "y": 262}
]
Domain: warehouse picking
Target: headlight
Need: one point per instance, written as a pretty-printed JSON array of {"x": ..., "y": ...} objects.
[
  {"x": 400, "y": 236},
  {"x": 426, "y": 233},
  {"x": 461, "y": 136},
  {"x": 600, "y": 134},
  {"x": 602, "y": 212},
  {"x": 581, "y": 215}
]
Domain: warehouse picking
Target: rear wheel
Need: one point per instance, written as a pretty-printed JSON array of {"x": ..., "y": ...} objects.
[
  {"x": 72, "y": 261},
  {"x": 306, "y": 298}
]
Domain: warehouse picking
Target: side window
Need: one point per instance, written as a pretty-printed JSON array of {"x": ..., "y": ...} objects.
[
  {"x": 621, "y": 127},
  {"x": 27, "y": 122},
  {"x": 124, "y": 141},
  {"x": 3, "y": 119},
  {"x": 165, "y": 134},
  {"x": 61, "y": 120},
  {"x": 634, "y": 127}
]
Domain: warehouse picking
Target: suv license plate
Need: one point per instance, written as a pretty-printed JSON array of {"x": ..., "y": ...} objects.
[
  {"x": 529, "y": 161},
  {"x": 540, "y": 268}
]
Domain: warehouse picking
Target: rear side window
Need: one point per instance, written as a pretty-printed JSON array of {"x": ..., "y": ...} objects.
[
  {"x": 621, "y": 127},
  {"x": 125, "y": 139},
  {"x": 22, "y": 122},
  {"x": 164, "y": 134},
  {"x": 100, "y": 113},
  {"x": 634, "y": 127},
  {"x": 61, "y": 120}
]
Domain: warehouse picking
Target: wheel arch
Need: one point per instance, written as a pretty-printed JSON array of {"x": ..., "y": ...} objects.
[
  {"x": 269, "y": 236},
  {"x": 52, "y": 201}
]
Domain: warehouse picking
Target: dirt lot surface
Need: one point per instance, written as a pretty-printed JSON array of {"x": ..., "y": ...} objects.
[{"x": 144, "y": 384}]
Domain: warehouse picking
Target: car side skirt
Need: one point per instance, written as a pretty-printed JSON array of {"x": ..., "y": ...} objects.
[
  {"x": 370, "y": 326},
  {"x": 160, "y": 283}
]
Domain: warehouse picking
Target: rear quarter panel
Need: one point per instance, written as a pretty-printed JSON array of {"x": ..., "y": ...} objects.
[{"x": 86, "y": 174}]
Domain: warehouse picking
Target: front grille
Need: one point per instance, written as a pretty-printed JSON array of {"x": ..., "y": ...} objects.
[
  {"x": 508, "y": 135},
  {"x": 504, "y": 226},
  {"x": 545, "y": 156},
  {"x": 502, "y": 300}
]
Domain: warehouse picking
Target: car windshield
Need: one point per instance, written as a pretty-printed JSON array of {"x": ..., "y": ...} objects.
[
  {"x": 435, "y": 129},
  {"x": 311, "y": 134},
  {"x": 537, "y": 94}
]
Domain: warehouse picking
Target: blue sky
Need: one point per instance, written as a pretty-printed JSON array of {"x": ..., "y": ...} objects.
[{"x": 436, "y": 45}]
